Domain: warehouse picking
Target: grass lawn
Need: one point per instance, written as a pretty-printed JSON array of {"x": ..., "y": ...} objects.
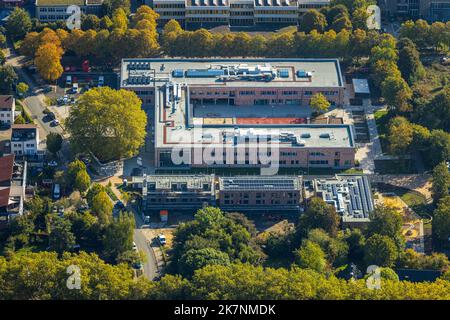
[
  {"x": 111, "y": 193},
  {"x": 382, "y": 119},
  {"x": 415, "y": 200},
  {"x": 436, "y": 78}
]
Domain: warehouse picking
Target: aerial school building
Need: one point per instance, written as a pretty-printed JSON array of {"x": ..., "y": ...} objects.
[
  {"x": 240, "y": 113},
  {"x": 207, "y": 13}
]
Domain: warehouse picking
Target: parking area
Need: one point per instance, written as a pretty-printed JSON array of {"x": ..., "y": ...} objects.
[{"x": 86, "y": 80}]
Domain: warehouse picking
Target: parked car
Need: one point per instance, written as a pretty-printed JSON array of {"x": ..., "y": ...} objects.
[
  {"x": 56, "y": 191},
  {"x": 75, "y": 88},
  {"x": 135, "y": 248},
  {"x": 69, "y": 80},
  {"x": 52, "y": 163},
  {"x": 55, "y": 123},
  {"x": 162, "y": 239},
  {"x": 101, "y": 81}
]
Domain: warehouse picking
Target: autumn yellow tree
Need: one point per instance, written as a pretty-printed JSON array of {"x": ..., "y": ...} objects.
[{"x": 48, "y": 61}]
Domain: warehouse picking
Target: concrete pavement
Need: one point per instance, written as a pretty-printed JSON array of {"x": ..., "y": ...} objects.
[{"x": 368, "y": 152}]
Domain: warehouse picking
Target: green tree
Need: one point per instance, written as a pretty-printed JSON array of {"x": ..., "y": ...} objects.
[
  {"x": 201, "y": 41},
  {"x": 195, "y": 259},
  {"x": 319, "y": 103},
  {"x": 105, "y": 23},
  {"x": 414, "y": 260},
  {"x": 313, "y": 20},
  {"x": 109, "y": 123},
  {"x": 441, "y": 182},
  {"x": 389, "y": 274},
  {"x": 118, "y": 236},
  {"x": 171, "y": 31},
  {"x": 311, "y": 256},
  {"x": 22, "y": 88},
  {"x": 54, "y": 142},
  {"x": 120, "y": 20},
  {"x": 8, "y": 78},
  {"x": 39, "y": 276},
  {"x": 441, "y": 222},
  {"x": 82, "y": 181},
  {"x": 321, "y": 215},
  {"x": 2, "y": 57},
  {"x": 400, "y": 136},
  {"x": 2, "y": 40},
  {"x": 356, "y": 242},
  {"x": 94, "y": 190},
  {"x": 341, "y": 22},
  {"x": 386, "y": 221},
  {"x": 19, "y": 23},
  {"x": 102, "y": 207},
  {"x": 61, "y": 238},
  {"x": 439, "y": 147},
  {"x": 336, "y": 249},
  {"x": 212, "y": 229},
  {"x": 397, "y": 93},
  {"x": 110, "y": 6},
  {"x": 90, "y": 21},
  {"x": 409, "y": 61},
  {"x": 380, "y": 250},
  {"x": 437, "y": 111},
  {"x": 72, "y": 170}
]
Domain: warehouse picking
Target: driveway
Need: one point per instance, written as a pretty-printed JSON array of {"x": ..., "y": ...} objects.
[{"x": 151, "y": 270}]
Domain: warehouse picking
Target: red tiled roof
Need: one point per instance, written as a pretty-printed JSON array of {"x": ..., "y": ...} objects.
[
  {"x": 6, "y": 167},
  {"x": 4, "y": 197},
  {"x": 6, "y": 102}
]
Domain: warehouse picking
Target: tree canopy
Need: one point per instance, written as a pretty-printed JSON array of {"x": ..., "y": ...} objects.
[{"x": 109, "y": 123}]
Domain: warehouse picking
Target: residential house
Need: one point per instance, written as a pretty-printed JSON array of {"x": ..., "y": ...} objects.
[{"x": 7, "y": 109}]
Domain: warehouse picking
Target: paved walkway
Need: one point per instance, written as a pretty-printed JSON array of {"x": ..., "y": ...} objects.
[{"x": 368, "y": 152}]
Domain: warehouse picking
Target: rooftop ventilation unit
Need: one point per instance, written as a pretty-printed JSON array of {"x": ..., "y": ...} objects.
[
  {"x": 204, "y": 73},
  {"x": 303, "y": 74},
  {"x": 325, "y": 135},
  {"x": 178, "y": 73},
  {"x": 305, "y": 135},
  {"x": 283, "y": 73}
]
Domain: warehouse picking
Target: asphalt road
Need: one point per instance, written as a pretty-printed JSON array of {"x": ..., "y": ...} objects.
[
  {"x": 150, "y": 266},
  {"x": 34, "y": 102}
]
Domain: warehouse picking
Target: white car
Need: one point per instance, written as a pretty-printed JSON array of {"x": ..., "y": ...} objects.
[
  {"x": 162, "y": 239},
  {"x": 135, "y": 248},
  {"x": 55, "y": 122},
  {"x": 52, "y": 163}
]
